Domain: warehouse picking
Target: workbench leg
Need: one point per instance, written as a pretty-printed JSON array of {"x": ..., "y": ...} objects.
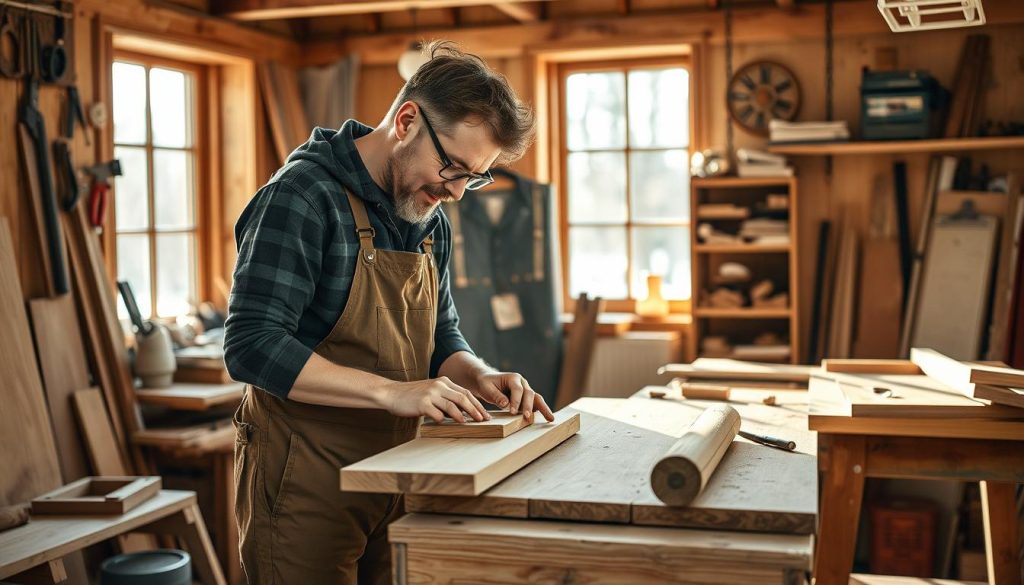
[
  {"x": 842, "y": 488},
  {"x": 1002, "y": 538},
  {"x": 188, "y": 526},
  {"x": 224, "y": 516},
  {"x": 49, "y": 573}
]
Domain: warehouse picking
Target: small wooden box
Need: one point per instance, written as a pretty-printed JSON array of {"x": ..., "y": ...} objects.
[{"x": 106, "y": 495}]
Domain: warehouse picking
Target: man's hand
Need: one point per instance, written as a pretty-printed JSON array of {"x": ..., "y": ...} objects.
[
  {"x": 512, "y": 391},
  {"x": 433, "y": 398}
]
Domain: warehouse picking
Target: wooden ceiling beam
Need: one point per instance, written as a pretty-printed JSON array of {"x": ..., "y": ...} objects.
[
  {"x": 278, "y": 9},
  {"x": 520, "y": 11}
]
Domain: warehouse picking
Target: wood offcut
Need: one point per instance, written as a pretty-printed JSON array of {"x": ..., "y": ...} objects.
[{"x": 501, "y": 425}]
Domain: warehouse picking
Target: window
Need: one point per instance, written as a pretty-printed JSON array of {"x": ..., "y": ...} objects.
[
  {"x": 154, "y": 207},
  {"x": 625, "y": 179}
]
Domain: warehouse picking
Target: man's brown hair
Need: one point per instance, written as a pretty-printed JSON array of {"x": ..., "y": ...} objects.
[{"x": 454, "y": 85}]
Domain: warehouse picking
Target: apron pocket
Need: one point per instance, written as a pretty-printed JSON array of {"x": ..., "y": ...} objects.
[
  {"x": 395, "y": 351},
  {"x": 294, "y": 446},
  {"x": 245, "y": 476}
]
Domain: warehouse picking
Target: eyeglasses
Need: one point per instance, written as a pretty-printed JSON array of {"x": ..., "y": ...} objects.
[{"x": 450, "y": 172}]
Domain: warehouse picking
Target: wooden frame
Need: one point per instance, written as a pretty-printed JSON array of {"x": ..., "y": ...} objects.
[
  {"x": 556, "y": 70},
  {"x": 98, "y": 495},
  {"x": 199, "y": 152}
]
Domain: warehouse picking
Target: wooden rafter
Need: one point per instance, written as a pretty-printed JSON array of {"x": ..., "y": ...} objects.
[
  {"x": 278, "y": 9},
  {"x": 521, "y": 11}
]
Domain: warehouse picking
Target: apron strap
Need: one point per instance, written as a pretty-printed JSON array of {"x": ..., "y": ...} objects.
[
  {"x": 428, "y": 245},
  {"x": 363, "y": 228}
]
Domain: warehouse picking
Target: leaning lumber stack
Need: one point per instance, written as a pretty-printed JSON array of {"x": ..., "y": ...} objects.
[{"x": 965, "y": 110}]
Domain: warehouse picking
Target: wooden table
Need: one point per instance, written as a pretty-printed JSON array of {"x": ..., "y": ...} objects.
[
  {"x": 585, "y": 511},
  {"x": 34, "y": 551},
  {"x": 209, "y": 445},
  {"x": 853, "y": 448}
]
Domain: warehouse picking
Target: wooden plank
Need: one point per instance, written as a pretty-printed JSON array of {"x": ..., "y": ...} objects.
[
  {"x": 941, "y": 145},
  {"x": 1002, "y": 532},
  {"x": 967, "y": 377},
  {"x": 502, "y": 424},
  {"x": 456, "y": 466},
  {"x": 64, "y": 369},
  {"x": 192, "y": 396},
  {"x": 913, "y": 396},
  {"x": 829, "y": 412},
  {"x": 579, "y": 350},
  {"x": 1006, "y": 396},
  {"x": 97, "y": 432},
  {"x": 602, "y": 474},
  {"x": 870, "y": 366},
  {"x": 728, "y": 369},
  {"x": 44, "y": 539},
  {"x": 548, "y": 551},
  {"x": 276, "y": 9},
  {"x": 31, "y": 466},
  {"x": 949, "y": 459},
  {"x": 842, "y": 490},
  {"x": 893, "y": 580},
  {"x": 88, "y": 496}
]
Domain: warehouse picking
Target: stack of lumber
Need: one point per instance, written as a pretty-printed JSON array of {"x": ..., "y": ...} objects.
[
  {"x": 965, "y": 110},
  {"x": 929, "y": 385}
]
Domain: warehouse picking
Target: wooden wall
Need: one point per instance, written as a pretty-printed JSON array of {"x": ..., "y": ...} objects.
[
  {"x": 95, "y": 21},
  {"x": 792, "y": 38}
]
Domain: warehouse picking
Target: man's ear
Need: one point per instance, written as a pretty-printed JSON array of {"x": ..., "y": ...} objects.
[{"x": 404, "y": 118}]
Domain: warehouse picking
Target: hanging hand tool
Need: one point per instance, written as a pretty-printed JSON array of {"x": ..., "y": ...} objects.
[
  {"x": 101, "y": 174},
  {"x": 14, "y": 64},
  {"x": 31, "y": 119},
  {"x": 54, "y": 58}
]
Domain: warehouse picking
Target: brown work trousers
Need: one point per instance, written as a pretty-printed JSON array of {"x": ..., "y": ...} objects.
[{"x": 295, "y": 525}]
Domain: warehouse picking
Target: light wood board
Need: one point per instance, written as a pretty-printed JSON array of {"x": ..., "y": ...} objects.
[
  {"x": 728, "y": 369},
  {"x": 192, "y": 396},
  {"x": 502, "y": 424},
  {"x": 456, "y": 466},
  {"x": 913, "y": 396},
  {"x": 507, "y": 550},
  {"x": 30, "y": 459},
  {"x": 870, "y": 366},
  {"x": 964, "y": 377},
  {"x": 64, "y": 369},
  {"x": 602, "y": 474},
  {"x": 829, "y": 412}
]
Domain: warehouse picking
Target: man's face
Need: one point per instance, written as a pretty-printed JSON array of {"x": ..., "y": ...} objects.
[{"x": 411, "y": 172}]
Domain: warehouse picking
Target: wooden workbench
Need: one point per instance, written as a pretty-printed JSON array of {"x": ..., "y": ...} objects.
[
  {"x": 990, "y": 451},
  {"x": 585, "y": 510}
]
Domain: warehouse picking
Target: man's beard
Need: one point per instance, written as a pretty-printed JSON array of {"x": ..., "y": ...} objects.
[{"x": 404, "y": 195}]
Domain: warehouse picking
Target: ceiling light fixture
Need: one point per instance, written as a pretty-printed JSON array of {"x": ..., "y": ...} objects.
[{"x": 911, "y": 15}]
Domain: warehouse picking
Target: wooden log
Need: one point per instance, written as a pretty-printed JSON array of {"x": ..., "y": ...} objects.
[{"x": 685, "y": 469}]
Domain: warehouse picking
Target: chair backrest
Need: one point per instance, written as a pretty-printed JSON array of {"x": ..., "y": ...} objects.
[{"x": 579, "y": 348}]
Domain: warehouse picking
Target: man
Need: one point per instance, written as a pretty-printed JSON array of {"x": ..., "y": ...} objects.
[{"x": 341, "y": 320}]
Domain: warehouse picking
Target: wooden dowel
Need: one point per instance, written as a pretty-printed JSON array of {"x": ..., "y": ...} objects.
[{"x": 685, "y": 469}]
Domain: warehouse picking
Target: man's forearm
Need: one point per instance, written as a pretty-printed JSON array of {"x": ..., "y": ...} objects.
[
  {"x": 326, "y": 383},
  {"x": 463, "y": 368}
]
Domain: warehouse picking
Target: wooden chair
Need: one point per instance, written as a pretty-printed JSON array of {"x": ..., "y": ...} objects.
[{"x": 579, "y": 348}]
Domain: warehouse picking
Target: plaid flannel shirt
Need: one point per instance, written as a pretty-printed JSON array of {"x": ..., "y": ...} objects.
[{"x": 297, "y": 254}]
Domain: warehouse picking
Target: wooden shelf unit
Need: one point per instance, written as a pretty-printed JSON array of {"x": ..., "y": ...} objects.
[
  {"x": 778, "y": 262},
  {"x": 951, "y": 145}
]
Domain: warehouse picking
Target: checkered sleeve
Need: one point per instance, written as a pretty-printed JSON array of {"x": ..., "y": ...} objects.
[
  {"x": 280, "y": 240},
  {"x": 447, "y": 337}
]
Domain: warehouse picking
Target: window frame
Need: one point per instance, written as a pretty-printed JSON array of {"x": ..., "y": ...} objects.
[
  {"x": 202, "y": 191},
  {"x": 562, "y": 71}
]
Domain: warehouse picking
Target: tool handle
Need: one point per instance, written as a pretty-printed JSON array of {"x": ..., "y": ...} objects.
[{"x": 98, "y": 203}]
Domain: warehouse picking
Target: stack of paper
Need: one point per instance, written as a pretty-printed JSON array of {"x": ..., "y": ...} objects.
[
  {"x": 781, "y": 132},
  {"x": 757, "y": 163}
]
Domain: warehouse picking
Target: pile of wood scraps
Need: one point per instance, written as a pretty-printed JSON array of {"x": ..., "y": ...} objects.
[{"x": 739, "y": 371}]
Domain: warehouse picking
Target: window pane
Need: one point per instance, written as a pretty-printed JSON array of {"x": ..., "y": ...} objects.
[
  {"x": 172, "y": 185},
  {"x": 133, "y": 266},
  {"x": 595, "y": 105},
  {"x": 129, "y": 83},
  {"x": 598, "y": 265},
  {"x": 169, "y": 106},
  {"x": 664, "y": 251},
  {"x": 659, "y": 186},
  {"x": 659, "y": 108},
  {"x": 597, "y": 187},
  {"x": 175, "y": 264},
  {"x": 131, "y": 189}
]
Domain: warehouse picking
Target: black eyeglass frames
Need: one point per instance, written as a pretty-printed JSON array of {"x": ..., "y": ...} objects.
[{"x": 450, "y": 172}]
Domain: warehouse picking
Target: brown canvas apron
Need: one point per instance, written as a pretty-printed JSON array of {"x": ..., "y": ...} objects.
[{"x": 295, "y": 525}]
